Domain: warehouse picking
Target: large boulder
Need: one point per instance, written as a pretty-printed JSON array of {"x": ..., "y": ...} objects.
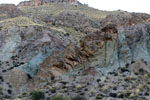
[
  {"x": 139, "y": 67},
  {"x": 17, "y": 79}
]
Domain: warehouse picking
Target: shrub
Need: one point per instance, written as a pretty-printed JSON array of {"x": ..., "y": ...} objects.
[
  {"x": 37, "y": 95},
  {"x": 78, "y": 98},
  {"x": 59, "y": 97}
]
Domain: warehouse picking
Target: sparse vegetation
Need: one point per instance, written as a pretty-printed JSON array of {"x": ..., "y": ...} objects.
[
  {"x": 55, "y": 9},
  {"x": 65, "y": 47},
  {"x": 37, "y": 95},
  {"x": 59, "y": 97},
  {"x": 18, "y": 21},
  {"x": 78, "y": 97}
]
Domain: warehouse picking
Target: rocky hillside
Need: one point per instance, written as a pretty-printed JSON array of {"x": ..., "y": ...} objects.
[
  {"x": 43, "y": 2},
  {"x": 51, "y": 50}
]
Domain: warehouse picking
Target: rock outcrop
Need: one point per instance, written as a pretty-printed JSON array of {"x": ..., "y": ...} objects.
[
  {"x": 13, "y": 75},
  {"x": 42, "y": 2},
  {"x": 139, "y": 67},
  {"x": 39, "y": 51},
  {"x": 76, "y": 20},
  {"x": 9, "y": 10}
]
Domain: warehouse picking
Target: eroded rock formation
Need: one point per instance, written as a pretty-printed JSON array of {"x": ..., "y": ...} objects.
[
  {"x": 42, "y": 2},
  {"x": 10, "y": 10},
  {"x": 37, "y": 51}
]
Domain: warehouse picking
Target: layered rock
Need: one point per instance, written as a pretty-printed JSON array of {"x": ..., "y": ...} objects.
[
  {"x": 111, "y": 47},
  {"x": 63, "y": 61},
  {"x": 25, "y": 45},
  {"x": 130, "y": 44},
  {"x": 37, "y": 52},
  {"x": 59, "y": 62}
]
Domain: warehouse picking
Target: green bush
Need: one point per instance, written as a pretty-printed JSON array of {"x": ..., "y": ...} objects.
[
  {"x": 37, "y": 95},
  {"x": 78, "y": 98},
  {"x": 59, "y": 97}
]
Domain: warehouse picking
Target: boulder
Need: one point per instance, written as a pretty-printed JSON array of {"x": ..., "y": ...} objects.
[
  {"x": 138, "y": 67},
  {"x": 17, "y": 78}
]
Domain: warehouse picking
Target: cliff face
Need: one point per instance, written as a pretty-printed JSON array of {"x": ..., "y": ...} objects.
[
  {"x": 36, "y": 49},
  {"x": 42, "y": 2}
]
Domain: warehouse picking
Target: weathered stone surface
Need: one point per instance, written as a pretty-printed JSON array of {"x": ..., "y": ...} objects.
[
  {"x": 76, "y": 20},
  {"x": 38, "y": 52},
  {"x": 125, "y": 19},
  {"x": 42, "y": 2},
  {"x": 25, "y": 48},
  {"x": 17, "y": 78},
  {"x": 138, "y": 66},
  {"x": 10, "y": 10},
  {"x": 53, "y": 65},
  {"x": 90, "y": 71},
  {"x": 71, "y": 56},
  {"x": 59, "y": 62},
  {"x": 107, "y": 49},
  {"x": 101, "y": 48}
]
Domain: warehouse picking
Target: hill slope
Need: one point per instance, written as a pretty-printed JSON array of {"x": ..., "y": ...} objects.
[{"x": 62, "y": 48}]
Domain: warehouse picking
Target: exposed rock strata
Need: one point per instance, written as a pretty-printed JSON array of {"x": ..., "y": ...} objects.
[
  {"x": 37, "y": 53},
  {"x": 111, "y": 47}
]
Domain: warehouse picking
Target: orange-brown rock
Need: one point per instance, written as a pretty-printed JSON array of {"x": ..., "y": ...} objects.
[
  {"x": 92, "y": 42},
  {"x": 90, "y": 71},
  {"x": 71, "y": 55},
  {"x": 59, "y": 62},
  {"x": 53, "y": 66}
]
